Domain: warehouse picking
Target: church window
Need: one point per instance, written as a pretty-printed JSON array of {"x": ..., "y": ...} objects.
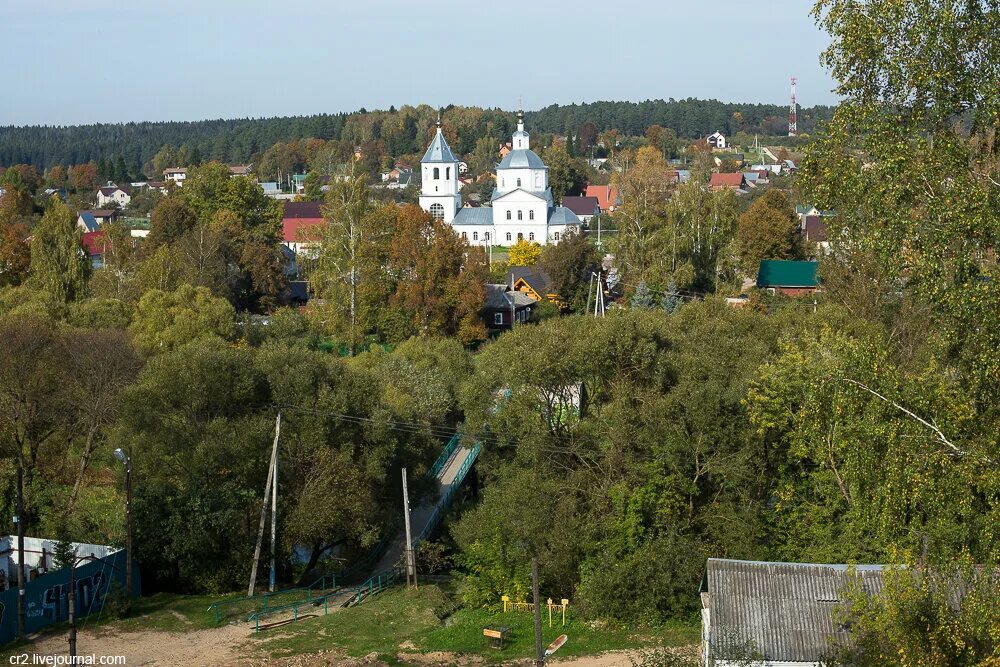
[
  {"x": 508, "y": 236},
  {"x": 437, "y": 211},
  {"x": 437, "y": 173},
  {"x": 519, "y": 216},
  {"x": 519, "y": 182},
  {"x": 487, "y": 236},
  {"x": 475, "y": 236},
  {"x": 447, "y": 173},
  {"x": 538, "y": 181},
  {"x": 531, "y": 236},
  {"x": 508, "y": 214},
  {"x": 465, "y": 235},
  {"x": 531, "y": 215},
  {"x": 520, "y": 236},
  {"x": 556, "y": 236}
]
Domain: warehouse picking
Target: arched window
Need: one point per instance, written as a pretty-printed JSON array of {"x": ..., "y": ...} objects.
[
  {"x": 520, "y": 236},
  {"x": 531, "y": 236},
  {"x": 437, "y": 173},
  {"x": 487, "y": 236},
  {"x": 437, "y": 211},
  {"x": 531, "y": 215},
  {"x": 519, "y": 216},
  {"x": 519, "y": 182},
  {"x": 475, "y": 236},
  {"x": 447, "y": 173},
  {"x": 508, "y": 214},
  {"x": 465, "y": 235},
  {"x": 508, "y": 236},
  {"x": 556, "y": 236}
]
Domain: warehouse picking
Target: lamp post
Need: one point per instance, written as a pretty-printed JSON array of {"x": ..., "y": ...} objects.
[{"x": 126, "y": 461}]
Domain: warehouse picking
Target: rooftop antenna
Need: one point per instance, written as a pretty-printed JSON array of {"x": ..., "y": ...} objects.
[{"x": 793, "y": 126}]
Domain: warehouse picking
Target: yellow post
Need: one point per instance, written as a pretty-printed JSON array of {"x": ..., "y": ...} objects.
[
  {"x": 550, "y": 612},
  {"x": 505, "y": 599},
  {"x": 565, "y": 603}
]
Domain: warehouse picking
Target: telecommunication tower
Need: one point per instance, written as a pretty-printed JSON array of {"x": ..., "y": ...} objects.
[{"x": 793, "y": 126}]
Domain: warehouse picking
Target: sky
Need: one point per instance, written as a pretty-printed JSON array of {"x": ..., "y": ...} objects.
[{"x": 88, "y": 61}]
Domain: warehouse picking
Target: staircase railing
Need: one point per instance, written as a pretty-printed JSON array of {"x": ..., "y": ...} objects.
[
  {"x": 266, "y": 601},
  {"x": 374, "y": 585}
]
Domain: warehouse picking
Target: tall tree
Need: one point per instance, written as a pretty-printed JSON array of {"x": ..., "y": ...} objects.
[
  {"x": 58, "y": 263},
  {"x": 768, "y": 230}
]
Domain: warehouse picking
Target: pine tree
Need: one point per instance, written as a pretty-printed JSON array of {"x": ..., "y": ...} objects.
[
  {"x": 671, "y": 299},
  {"x": 643, "y": 298}
]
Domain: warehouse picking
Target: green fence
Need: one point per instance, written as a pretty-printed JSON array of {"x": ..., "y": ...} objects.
[{"x": 262, "y": 603}]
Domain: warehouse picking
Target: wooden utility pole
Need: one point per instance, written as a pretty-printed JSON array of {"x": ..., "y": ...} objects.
[
  {"x": 263, "y": 510},
  {"x": 411, "y": 565},
  {"x": 21, "y": 612},
  {"x": 539, "y": 656},
  {"x": 274, "y": 504},
  {"x": 71, "y": 607}
]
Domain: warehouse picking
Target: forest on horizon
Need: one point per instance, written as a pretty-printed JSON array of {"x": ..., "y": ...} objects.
[{"x": 402, "y": 130}]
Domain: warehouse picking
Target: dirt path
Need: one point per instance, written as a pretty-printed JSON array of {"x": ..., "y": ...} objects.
[{"x": 217, "y": 646}]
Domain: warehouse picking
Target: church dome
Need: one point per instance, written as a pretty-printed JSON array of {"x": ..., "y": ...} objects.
[{"x": 521, "y": 159}]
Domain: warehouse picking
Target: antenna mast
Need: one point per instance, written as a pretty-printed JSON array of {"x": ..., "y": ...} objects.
[{"x": 793, "y": 126}]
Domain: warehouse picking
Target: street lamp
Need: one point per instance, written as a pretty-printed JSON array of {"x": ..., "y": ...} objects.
[{"x": 126, "y": 461}]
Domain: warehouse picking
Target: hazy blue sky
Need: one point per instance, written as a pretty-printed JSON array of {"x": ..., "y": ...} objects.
[{"x": 83, "y": 61}]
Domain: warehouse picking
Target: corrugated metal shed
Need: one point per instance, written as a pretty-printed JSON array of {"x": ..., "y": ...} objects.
[{"x": 786, "y": 611}]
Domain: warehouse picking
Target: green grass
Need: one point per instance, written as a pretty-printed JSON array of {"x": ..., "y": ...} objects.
[{"x": 403, "y": 621}]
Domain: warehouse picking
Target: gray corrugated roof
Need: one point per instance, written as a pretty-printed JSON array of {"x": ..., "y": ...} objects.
[
  {"x": 498, "y": 297},
  {"x": 439, "y": 150},
  {"x": 521, "y": 158},
  {"x": 473, "y": 216},
  {"x": 786, "y": 610},
  {"x": 560, "y": 215}
]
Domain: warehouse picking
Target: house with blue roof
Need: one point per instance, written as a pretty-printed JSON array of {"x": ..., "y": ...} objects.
[{"x": 522, "y": 207}]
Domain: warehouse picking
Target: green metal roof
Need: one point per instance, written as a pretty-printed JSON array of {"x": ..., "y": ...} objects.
[{"x": 787, "y": 273}]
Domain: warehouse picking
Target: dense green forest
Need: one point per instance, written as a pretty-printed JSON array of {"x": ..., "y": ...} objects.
[{"x": 243, "y": 140}]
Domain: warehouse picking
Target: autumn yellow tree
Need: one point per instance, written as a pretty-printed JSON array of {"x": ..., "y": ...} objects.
[{"x": 525, "y": 253}]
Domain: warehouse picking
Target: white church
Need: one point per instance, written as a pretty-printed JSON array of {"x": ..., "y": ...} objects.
[{"x": 522, "y": 206}]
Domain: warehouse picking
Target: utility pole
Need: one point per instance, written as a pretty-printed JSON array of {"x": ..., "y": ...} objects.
[
  {"x": 21, "y": 613},
  {"x": 263, "y": 510},
  {"x": 274, "y": 503},
  {"x": 411, "y": 565},
  {"x": 127, "y": 462},
  {"x": 539, "y": 656},
  {"x": 71, "y": 607}
]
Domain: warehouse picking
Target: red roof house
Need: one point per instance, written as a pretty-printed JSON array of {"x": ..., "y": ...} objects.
[
  {"x": 732, "y": 181},
  {"x": 302, "y": 223},
  {"x": 607, "y": 196}
]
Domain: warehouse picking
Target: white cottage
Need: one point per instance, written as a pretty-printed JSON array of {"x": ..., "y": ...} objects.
[{"x": 522, "y": 205}]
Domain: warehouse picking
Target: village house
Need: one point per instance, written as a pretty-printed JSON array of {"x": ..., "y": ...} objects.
[
  {"x": 814, "y": 232},
  {"x": 533, "y": 281},
  {"x": 175, "y": 174},
  {"x": 789, "y": 277},
  {"x": 302, "y": 228},
  {"x": 607, "y": 196},
  {"x": 585, "y": 208},
  {"x": 733, "y": 181},
  {"x": 111, "y": 193},
  {"x": 240, "y": 169},
  {"x": 716, "y": 140},
  {"x": 91, "y": 221},
  {"x": 504, "y": 307},
  {"x": 759, "y": 614}
]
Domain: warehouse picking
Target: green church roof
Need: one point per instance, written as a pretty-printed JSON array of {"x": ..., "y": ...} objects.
[{"x": 787, "y": 273}]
